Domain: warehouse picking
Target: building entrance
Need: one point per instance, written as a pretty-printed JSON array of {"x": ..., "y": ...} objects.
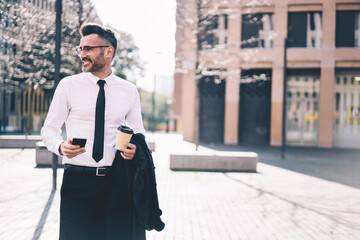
[
  {"x": 302, "y": 125},
  {"x": 212, "y": 109},
  {"x": 255, "y": 107},
  {"x": 346, "y": 126},
  {"x": 302, "y": 118}
]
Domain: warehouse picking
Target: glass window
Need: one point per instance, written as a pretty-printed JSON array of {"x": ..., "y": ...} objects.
[
  {"x": 8, "y": 19},
  {"x": 14, "y": 49},
  {"x": 304, "y": 29},
  {"x": 8, "y": 49},
  {"x": 347, "y": 113},
  {"x": 26, "y": 102},
  {"x": 303, "y": 108},
  {"x": 213, "y": 30},
  {"x": 35, "y": 102},
  {"x": 225, "y": 21},
  {"x": 347, "y": 29},
  {"x": 12, "y": 102},
  {"x": 337, "y": 101},
  {"x": 257, "y": 30},
  {"x": 357, "y": 29},
  {"x": 316, "y": 106}
]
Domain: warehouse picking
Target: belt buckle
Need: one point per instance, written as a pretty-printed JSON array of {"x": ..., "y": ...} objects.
[{"x": 99, "y": 174}]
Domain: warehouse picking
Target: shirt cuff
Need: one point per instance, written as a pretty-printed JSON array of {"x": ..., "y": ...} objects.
[{"x": 58, "y": 148}]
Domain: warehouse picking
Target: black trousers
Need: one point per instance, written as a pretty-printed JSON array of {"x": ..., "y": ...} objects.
[
  {"x": 83, "y": 206},
  {"x": 100, "y": 208}
]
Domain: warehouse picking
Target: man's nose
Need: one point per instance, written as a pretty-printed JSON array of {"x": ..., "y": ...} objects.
[{"x": 82, "y": 54}]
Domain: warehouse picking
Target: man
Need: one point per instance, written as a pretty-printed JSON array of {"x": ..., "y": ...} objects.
[{"x": 92, "y": 104}]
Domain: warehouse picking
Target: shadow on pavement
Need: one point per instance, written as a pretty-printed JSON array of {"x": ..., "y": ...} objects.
[
  {"x": 216, "y": 171},
  {"x": 41, "y": 223},
  {"x": 337, "y": 165}
]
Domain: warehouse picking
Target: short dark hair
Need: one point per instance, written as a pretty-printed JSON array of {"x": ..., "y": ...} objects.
[{"x": 103, "y": 32}]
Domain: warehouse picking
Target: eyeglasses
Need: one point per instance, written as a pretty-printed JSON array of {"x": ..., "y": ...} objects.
[{"x": 87, "y": 49}]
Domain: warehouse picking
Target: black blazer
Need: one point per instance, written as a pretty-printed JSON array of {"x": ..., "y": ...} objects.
[
  {"x": 144, "y": 194},
  {"x": 133, "y": 203}
]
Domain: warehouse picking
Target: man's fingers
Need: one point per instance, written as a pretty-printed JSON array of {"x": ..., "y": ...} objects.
[
  {"x": 127, "y": 157},
  {"x": 128, "y": 151},
  {"x": 74, "y": 151},
  {"x": 69, "y": 150},
  {"x": 130, "y": 145},
  {"x": 72, "y": 147}
]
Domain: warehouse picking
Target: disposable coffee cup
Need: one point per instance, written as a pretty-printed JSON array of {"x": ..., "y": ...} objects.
[{"x": 123, "y": 136}]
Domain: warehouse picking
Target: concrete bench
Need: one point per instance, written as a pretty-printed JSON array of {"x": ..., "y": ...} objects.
[
  {"x": 151, "y": 146},
  {"x": 219, "y": 161},
  {"x": 43, "y": 157},
  {"x": 19, "y": 141}
]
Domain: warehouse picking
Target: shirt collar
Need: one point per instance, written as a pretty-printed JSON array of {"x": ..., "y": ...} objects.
[{"x": 109, "y": 79}]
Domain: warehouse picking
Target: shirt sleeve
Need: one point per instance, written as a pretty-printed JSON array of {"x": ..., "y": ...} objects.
[
  {"x": 58, "y": 112},
  {"x": 134, "y": 117}
]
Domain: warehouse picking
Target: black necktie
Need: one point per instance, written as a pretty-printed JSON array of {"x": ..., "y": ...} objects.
[{"x": 98, "y": 147}]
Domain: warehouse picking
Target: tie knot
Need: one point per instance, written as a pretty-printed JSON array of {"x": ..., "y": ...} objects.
[{"x": 101, "y": 83}]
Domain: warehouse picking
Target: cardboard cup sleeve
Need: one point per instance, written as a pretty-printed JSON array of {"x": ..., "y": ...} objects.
[{"x": 124, "y": 135}]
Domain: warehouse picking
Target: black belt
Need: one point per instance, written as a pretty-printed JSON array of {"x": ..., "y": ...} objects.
[{"x": 95, "y": 171}]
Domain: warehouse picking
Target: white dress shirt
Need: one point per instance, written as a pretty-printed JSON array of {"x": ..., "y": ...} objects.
[{"x": 74, "y": 103}]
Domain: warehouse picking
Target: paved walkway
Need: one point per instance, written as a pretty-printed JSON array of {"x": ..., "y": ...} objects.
[{"x": 274, "y": 203}]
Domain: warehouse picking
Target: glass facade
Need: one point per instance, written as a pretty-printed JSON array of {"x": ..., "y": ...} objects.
[
  {"x": 347, "y": 111},
  {"x": 213, "y": 31},
  {"x": 302, "y": 123},
  {"x": 257, "y": 30},
  {"x": 357, "y": 29},
  {"x": 304, "y": 29},
  {"x": 347, "y": 29}
]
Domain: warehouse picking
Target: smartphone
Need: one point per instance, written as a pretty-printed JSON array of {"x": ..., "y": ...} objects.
[{"x": 79, "y": 141}]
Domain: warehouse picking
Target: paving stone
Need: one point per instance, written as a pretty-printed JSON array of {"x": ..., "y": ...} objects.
[{"x": 274, "y": 203}]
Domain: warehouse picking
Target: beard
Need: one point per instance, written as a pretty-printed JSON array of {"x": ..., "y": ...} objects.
[{"x": 93, "y": 65}]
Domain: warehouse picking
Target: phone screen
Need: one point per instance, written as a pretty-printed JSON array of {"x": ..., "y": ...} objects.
[{"x": 79, "y": 141}]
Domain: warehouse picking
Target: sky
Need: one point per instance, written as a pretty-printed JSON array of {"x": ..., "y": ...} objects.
[{"x": 152, "y": 24}]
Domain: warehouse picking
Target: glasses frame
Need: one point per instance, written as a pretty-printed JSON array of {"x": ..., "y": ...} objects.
[{"x": 79, "y": 49}]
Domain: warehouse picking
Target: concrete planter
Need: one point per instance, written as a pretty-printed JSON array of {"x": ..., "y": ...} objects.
[
  {"x": 220, "y": 161},
  {"x": 44, "y": 156}
]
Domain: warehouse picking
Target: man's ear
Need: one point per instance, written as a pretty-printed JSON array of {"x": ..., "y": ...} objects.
[{"x": 110, "y": 51}]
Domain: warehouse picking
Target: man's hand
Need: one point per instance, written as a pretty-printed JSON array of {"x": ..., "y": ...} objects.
[
  {"x": 69, "y": 150},
  {"x": 128, "y": 153}
]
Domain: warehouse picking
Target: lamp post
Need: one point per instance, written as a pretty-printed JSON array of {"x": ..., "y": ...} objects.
[
  {"x": 4, "y": 122},
  {"x": 283, "y": 139},
  {"x": 58, "y": 7},
  {"x": 153, "y": 100},
  {"x": 153, "y": 124}
]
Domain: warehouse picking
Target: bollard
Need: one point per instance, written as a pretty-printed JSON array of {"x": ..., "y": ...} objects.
[{"x": 54, "y": 168}]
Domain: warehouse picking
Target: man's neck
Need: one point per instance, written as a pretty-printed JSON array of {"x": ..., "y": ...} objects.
[{"x": 102, "y": 74}]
